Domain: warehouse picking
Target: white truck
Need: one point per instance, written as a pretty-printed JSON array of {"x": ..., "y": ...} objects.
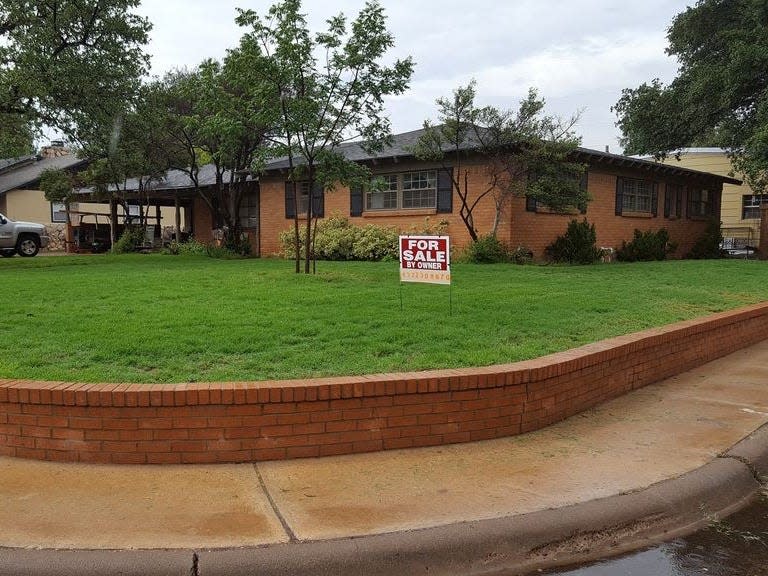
[{"x": 22, "y": 238}]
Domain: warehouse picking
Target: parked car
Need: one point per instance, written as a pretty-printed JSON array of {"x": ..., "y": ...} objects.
[{"x": 22, "y": 238}]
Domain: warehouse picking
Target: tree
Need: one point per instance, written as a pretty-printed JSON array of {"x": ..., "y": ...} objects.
[
  {"x": 68, "y": 63},
  {"x": 720, "y": 94},
  {"x": 58, "y": 186},
  {"x": 525, "y": 153},
  {"x": 330, "y": 88}
]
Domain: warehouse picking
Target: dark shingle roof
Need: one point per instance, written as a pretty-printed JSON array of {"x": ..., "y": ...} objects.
[
  {"x": 28, "y": 172},
  {"x": 402, "y": 147},
  {"x": 403, "y": 144}
]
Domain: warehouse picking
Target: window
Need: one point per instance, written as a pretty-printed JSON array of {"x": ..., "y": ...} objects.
[
  {"x": 302, "y": 202},
  {"x": 409, "y": 190},
  {"x": 699, "y": 203},
  {"x": 249, "y": 211},
  {"x": 637, "y": 195},
  {"x": 750, "y": 205},
  {"x": 58, "y": 212},
  {"x": 302, "y": 189},
  {"x": 673, "y": 201}
]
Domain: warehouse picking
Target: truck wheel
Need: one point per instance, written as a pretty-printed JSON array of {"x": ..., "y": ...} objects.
[
  {"x": 8, "y": 253},
  {"x": 28, "y": 245}
]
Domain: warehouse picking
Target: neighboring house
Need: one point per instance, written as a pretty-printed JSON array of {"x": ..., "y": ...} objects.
[
  {"x": 740, "y": 208},
  {"x": 21, "y": 198},
  {"x": 627, "y": 194}
]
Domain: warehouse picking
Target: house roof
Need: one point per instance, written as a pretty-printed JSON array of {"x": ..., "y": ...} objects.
[
  {"x": 178, "y": 179},
  {"x": 18, "y": 173},
  {"x": 403, "y": 145},
  {"x": 7, "y": 164}
]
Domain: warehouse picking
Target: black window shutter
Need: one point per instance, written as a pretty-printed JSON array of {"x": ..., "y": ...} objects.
[
  {"x": 619, "y": 196},
  {"x": 667, "y": 200},
  {"x": 445, "y": 191},
  {"x": 530, "y": 204},
  {"x": 318, "y": 200},
  {"x": 290, "y": 206},
  {"x": 356, "y": 200},
  {"x": 655, "y": 199}
]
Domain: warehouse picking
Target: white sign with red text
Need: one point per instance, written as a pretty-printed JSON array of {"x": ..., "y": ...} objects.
[{"x": 425, "y": 259}]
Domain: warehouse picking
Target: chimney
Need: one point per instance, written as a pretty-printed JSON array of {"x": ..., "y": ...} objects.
[
  {"x": 55, "y": 149},
  {"x": 607, "y": 149}
]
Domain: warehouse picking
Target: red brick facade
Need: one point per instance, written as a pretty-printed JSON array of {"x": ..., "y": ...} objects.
[
  {"x": 252, "y": 421},
  {"x": 534, "y": 230}
]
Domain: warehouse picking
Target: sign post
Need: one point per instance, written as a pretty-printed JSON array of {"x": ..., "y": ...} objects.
[{"x": 425, "y": 259}]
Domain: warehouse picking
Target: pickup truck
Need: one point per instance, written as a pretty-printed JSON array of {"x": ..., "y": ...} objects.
[{"x": 22, "y": 238}]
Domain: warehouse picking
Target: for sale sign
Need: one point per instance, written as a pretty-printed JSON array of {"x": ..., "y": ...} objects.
[{"x": 425, "y": 259}]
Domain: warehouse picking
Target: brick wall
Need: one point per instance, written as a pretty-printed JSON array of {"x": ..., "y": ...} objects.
[
  {"x": 535, "y": 230},
  {"x": 241, "y": 422}
]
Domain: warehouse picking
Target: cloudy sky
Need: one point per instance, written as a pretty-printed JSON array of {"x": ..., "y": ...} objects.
[{"x": 578, "y": 53}]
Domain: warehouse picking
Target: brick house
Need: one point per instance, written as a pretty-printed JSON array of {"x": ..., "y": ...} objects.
[{"x": 627, "y": 194}]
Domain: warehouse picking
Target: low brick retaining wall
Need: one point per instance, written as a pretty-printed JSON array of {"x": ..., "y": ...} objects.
[{"x": 251, "y": 421}]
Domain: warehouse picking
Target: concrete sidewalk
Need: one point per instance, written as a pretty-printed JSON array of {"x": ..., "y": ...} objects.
[{"x": 645, "y": 438}]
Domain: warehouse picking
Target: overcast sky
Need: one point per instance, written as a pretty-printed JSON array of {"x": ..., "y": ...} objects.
[{"x": 579, "y": 54}]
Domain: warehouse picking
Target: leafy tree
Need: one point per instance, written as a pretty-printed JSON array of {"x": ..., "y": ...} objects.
[
  {"x": 68, "y": 63},
  {"x": 525, "y": 153},
  {"x": 134, "y": 145},
  {"x": 330, "y": 87},
  {"x": 720, "y": 94},
  {"x": 16, "y": 136},
  {"x": 58, "y": 186}
]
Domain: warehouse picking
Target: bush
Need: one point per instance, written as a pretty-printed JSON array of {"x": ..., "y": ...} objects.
[
  {"x": 646, "y": 246},
  {"x": 192, "y": 247},
  {"x": 521, "y": 255},
  {"x": 374, "y": 243},
  {"x": 577, "y": 246},
  {"x": 338, "y": 239},
  {"x": 708, "y": 246},
  {"x": 486, "y": 250},
  {"x": 130, "y": 240}
]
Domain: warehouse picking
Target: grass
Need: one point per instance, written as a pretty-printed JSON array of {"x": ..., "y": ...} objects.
[{"x": 154, "y": 318}]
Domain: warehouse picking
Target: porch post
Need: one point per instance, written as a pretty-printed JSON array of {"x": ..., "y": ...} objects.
[
  {"x": 112, "y": 221},
  {"x": 762, "y": 247},
  {"x": 178, "y": 217}
]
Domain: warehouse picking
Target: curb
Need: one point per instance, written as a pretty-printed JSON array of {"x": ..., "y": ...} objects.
[{"x": 510, "y": 545}]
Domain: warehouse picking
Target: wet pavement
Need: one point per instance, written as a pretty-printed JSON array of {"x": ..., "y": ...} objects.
[{"x": 734, "y": 546}]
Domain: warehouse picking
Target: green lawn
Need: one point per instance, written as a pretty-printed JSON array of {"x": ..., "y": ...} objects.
[{"x": 174, "y": 319}]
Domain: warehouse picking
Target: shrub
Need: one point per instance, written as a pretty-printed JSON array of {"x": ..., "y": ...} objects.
[
  {"x": 577, "y": 246},
  {"x": 521, "y": 255},
  {"x": 130, "y": 240},
  {"x": 191, "y": 246},
  {"x": 708, "y": 245},
  {"x": 338, "y": 239},
  {"x": 646, "y": 246},
  {"x": 375, "y": 243},
  {"x": 335, "y": 239},
  {"x": 486, "y": 249}
]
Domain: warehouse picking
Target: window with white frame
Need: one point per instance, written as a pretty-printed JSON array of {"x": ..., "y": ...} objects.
[
  {"x": 637, "y": 195},
  {"x": 58, "y": 212},
  {"x": 407, "y": 190},
  {"x": 751, "y": 204}
]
